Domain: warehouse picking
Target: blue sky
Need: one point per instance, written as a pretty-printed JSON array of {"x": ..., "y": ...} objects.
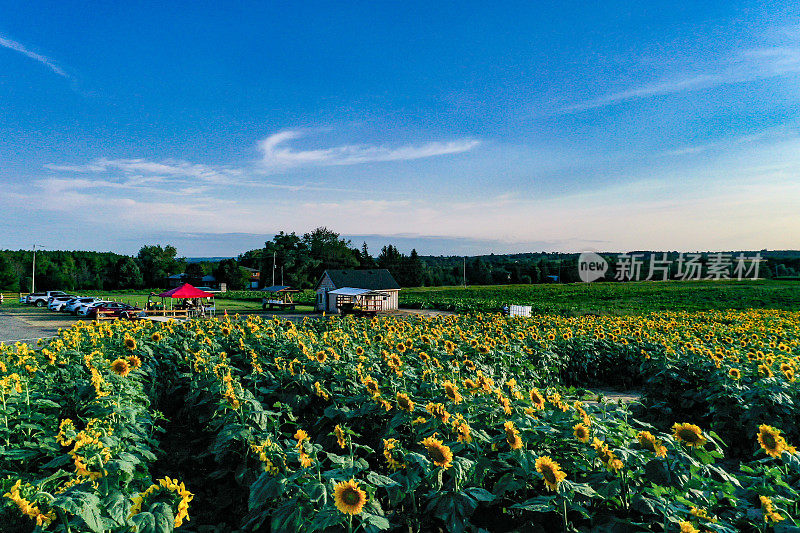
[{"x": 456, "y": 127}]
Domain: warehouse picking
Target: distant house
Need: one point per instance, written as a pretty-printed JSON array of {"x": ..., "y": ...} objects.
[
  {"x": 254, "y": 279},
  {"x": 374, "y": 289},
  {"x": 176, "y": 280}
]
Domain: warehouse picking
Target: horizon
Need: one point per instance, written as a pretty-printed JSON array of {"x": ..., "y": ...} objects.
[{"x": 453, "y": 129}]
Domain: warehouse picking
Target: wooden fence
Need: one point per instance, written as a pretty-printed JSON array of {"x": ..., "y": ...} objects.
[{"x": 170, "y": 313}]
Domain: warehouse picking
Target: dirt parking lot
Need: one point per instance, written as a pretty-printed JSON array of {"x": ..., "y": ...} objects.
[{"x": 30, "y": 324}]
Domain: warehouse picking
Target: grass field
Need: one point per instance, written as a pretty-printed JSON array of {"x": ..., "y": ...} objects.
[{"x": 610, "y": 298}]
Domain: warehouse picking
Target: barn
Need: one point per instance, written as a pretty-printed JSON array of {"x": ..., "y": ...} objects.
[{"x": 374, "y": 288}]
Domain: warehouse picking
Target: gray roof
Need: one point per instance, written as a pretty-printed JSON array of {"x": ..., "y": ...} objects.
[
  {"x": 278, "y": 288},
  {"x": 350, "y": 291},
  {"x": 373, "y": 279}
]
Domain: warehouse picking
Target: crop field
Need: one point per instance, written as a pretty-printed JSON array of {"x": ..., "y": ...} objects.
[
  {"x": 610, "y": 298},
  {"x": 457, "y": 423}
]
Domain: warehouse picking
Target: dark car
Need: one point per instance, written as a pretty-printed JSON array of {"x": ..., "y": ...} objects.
[{"x": 115, "y": 309}]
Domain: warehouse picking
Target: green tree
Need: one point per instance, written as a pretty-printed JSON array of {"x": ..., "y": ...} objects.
[
  {"x": 329, "y": 250},
  {"x": 156, "y": 263},
  {"x": 9, "y": 280},
  {"x": 194, "y": 273},
  {"x": 127, "y": 274},
  {"x": 290, "y": 254},
  {"x": 229, "y": 272}
]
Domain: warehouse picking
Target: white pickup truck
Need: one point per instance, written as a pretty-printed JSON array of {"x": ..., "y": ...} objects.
[{"x": 40, "y": 299}]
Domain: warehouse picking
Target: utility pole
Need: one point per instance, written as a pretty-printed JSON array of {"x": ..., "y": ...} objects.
[
  {"x": 273, "y": 269},
  {"x": 281, "y": 274},
  {"x": 465, "y": 271},
  {"x": 33, "y": 269}
]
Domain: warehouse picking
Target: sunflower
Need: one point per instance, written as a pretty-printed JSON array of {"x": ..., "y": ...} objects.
[
  {"x": 388, "y": 447},
  {"x": 537, "y": 399},
  {"x": 689, "y": 434},
  {"x": 648, "y": 441},
  {"x": 512, "y": 436},
  {"x": 606, "y": 455},
  {"x": 155, "y": 337},
  {"x": 771, "y": 440},
  {"x": 438, "y": 452},
  {"x": 305, "y": 460},
  {"x": 452, "y": 391},
  {"x": 121, "y": 367},
  {"x": 349, "y": 497},
  {"x": 301, "y": 436},
  {"x": 702, "y": 514},
  {"x": 321, "y": 356},
  {"x": 688, "y": 527},
  {"x": 550, "y": 471},
  {"x": 581, "y": 433},
  {"x": 765, "y": 371},
  {"x": 372, "y": 386},
  {"x": 462, "y": 428},
  {"x": 404, "y": 402},
  {"x": 225, "y": 330},
  {"x": 438, "y": 410},
  {"x": 340, "y": 438},
  {"x": 735, "y": 373},
  {"x": 769, "y": 510},
  {"x": 359, "y": 350},
  {"x": 135, "y": 362},
  {"x": 130, "y": 343}
]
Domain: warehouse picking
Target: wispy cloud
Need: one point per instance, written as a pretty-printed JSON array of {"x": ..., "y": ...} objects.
[
  {"x": 747, "y": 65},
  {"x": 19, "y": 47},
  {"x": 732, "y": 142},
  {"x": 276, "y": 152},
  {"x": 169, "y": 177},
  {"x": 154, "y": 170}
]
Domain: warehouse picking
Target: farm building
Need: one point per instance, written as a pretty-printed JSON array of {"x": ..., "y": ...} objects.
[{"x": 372, "y": 289}]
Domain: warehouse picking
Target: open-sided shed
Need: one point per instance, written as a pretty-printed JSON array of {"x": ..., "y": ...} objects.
[
  {"x": 376, "y": 279},
  {"x": 278, "y": 296},
  {"x": 359, "y": 301}
]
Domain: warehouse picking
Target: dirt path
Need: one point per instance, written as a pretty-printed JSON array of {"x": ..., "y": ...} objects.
[{"x": 614, "y": 396}]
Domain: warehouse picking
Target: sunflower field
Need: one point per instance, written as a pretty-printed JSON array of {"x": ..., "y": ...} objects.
[{"x": 460, "y": 423}]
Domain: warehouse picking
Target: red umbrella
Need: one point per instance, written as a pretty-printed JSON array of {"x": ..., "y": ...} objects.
[{"x": 186, "y": 291}]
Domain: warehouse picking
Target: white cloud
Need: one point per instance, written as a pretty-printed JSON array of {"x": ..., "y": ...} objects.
[
  {"x": 155, "y": 171},
  {"x": 277, "y": 153},
  {"x": 18, "y": 47},
  {"x": 747, "y": 65}
]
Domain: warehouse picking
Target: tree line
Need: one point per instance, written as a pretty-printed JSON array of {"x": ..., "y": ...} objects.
[{"x": 300, "y": 260}]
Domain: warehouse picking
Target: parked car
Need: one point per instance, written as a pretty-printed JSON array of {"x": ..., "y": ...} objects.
[
  {"x": 73, "y": 305},
  {"x": 40, "y": 299},
  {"x": 116, "y": 309},
  {"x": 57, "y": 302},
  {"x": 90, "y": 308}
]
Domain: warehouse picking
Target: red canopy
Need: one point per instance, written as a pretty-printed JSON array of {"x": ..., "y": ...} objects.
[{"x": 185, "y": 291}]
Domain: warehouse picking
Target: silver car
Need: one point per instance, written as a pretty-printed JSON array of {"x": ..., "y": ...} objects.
[
  {"x": 88, "y": 309},
  {"x": 60, "y": 301},
  {"x": 73, "y": 305}
]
